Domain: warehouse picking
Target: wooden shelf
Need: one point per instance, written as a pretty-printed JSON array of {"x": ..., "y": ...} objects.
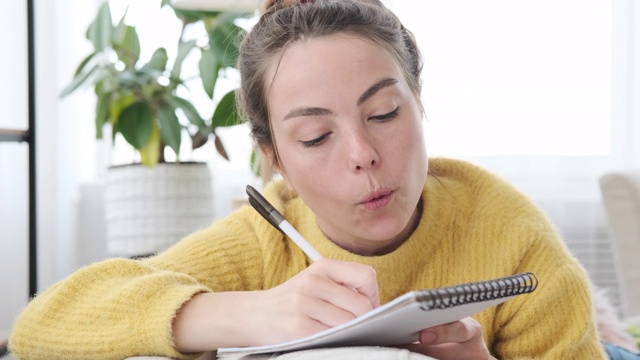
[{"x": 13, "y": 135}]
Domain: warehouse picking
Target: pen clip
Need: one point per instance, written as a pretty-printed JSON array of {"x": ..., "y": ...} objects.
[{"x": 264, "y": 208}]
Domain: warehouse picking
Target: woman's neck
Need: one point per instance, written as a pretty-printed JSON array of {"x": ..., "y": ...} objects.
[{"x": 370, "y": 248}]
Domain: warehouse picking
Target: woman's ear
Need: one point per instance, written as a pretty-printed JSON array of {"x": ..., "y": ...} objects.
[
  {"x": 269, "y": 159},
  {"x": 270, "y": 164}
]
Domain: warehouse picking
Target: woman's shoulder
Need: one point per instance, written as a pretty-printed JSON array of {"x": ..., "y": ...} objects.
[
  {"x": 472, "y": 186},
  {"x": 486, "y": 204},
  {"x": 462, "y": 170}
]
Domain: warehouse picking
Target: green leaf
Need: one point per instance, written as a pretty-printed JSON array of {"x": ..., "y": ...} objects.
[
  {"x": 191, "y": 16},
  {"x": 209, "y": 70},
  {"x": 165, "y": 2},
  {"x": 127, "y": 46},
  {"x": 118, "y": 104},
  {"x": 101, "y": 29},
  {"x": 223, "y": 19},
  {"x": 229, "y": 17},
  {"x": 102, "y": 113},
  {"x": 189, "y": 111},
  {"x": 78, "y": 80},
  {"x": 198, "y": 140},
  {"x": 104, "y": 81},
  {"x": 183, "y": 50},
  {"x": 84, "y": 63},
  {"x": 170, "y": 128},
  {"x": 220, "y": 147},
  {"x": 154, "y": 90},
  {"x": 135, "y": 123},
  {"x": 120, "y": 29},
  {"x": 158, "y": 60},
  {"x": 226, "y": 113},
  {"x": 134, "y": 80},
  {"x": 224, "y": 41}
]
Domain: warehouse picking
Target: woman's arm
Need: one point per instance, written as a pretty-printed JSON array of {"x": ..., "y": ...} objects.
[
  {"x": 120, "y": 307},
  {"x": 556, "y": 320},
  {"x": 113, "y": 309},
  {"x": 326, "y": 294}
]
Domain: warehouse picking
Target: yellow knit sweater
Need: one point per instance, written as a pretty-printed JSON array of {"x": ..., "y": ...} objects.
[{"x": 473, "y": 227}]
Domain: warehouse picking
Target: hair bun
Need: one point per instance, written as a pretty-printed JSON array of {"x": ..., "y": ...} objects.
[{"x": 275, "y": 5}]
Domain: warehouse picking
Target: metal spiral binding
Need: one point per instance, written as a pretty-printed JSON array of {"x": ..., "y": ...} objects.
[{"x": 477, "y": 291}]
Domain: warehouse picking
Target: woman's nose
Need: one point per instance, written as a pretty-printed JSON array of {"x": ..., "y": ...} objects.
[{"x": 362, "y": 153}]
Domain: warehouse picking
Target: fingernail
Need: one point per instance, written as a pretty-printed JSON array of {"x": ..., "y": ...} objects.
[{"x": 428, "y": 337}]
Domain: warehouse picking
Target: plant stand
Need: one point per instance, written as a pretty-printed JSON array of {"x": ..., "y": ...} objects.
[{"x": 149, "y": 209}]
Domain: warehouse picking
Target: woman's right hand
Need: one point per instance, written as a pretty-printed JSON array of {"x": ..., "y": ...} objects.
[{"x": 326, "y": 294}]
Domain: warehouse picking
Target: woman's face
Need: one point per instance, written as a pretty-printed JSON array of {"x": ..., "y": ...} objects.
[{"x": 348, "y": 132}]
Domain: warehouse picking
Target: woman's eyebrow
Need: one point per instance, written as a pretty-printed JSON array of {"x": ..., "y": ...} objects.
[
  {"x": 315, "y": 111},
  {"x": 386, "y": 82},
  {"x": 307, "y": 111}
]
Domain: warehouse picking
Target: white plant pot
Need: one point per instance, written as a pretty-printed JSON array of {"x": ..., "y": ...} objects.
[{"x": 149, "y": 209}]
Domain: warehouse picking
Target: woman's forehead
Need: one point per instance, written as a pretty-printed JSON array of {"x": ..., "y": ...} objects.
[{"x": 337, "y": 62}]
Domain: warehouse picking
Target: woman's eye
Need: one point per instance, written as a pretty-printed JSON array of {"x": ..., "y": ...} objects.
[
  {"x": 315, "y": 142},
  {"x": 386, "y": 117}
]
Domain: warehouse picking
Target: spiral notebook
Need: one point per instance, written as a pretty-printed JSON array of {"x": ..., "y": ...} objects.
[{"x": 400, "y": 320}]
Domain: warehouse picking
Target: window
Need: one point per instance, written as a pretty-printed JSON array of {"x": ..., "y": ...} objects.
[
  {"x": 526, "y": 88},
  {"x": 515, "y": 77}
]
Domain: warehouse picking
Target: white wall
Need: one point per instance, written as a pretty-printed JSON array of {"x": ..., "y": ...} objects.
[
  {"x": 13, "y": 163},
  {"x": 64, "y": 146}
]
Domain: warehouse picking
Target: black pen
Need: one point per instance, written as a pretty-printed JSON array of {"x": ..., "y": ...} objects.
[{"x": 276, "y": 219}]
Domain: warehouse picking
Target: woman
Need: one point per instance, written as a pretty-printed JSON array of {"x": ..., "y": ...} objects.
[{"x": 332, "y": 91}]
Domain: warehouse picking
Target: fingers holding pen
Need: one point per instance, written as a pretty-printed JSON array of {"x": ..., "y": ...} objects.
[
  {"x": 326, "y": 294},
  {"x": 329, "y": 304},
  {"x": 359, "y": 277},
  {"x": 347, "y": 286}
]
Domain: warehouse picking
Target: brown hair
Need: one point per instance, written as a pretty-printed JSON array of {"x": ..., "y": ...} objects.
[{"x": 285, "y": 21}]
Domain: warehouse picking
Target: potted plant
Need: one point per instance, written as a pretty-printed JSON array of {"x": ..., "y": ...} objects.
[{"x": 152, "y": 203}]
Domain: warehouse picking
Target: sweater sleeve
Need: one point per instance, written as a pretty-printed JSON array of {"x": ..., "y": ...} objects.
[
  {"x": 498, "y": 230},
  {"x": 112, "y": 310},
  {"x": 120, "y": 308},
  {"x": 556, "y": 320}
]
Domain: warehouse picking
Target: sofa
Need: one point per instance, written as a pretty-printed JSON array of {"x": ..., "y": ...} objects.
[{"x": 621, "y": 199}]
